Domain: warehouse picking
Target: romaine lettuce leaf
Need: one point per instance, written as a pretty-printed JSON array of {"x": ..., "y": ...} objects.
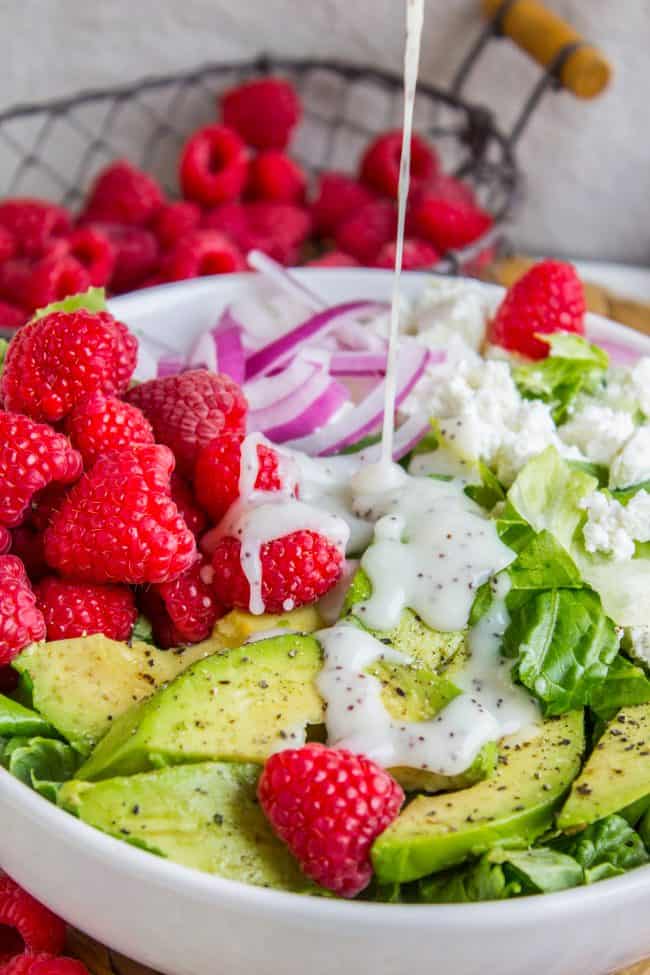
[
  {"x": 625, "y": 685},
  {"x": 563, "y": 644},
  {"x": 543, "y": 564},
  {"x": 41, "y": 763},
  {"x": 489, "y": 492},
  {"x": 94, "y": 299},
  {"x": 605, "y": 849},
  {"x": 16, "y": 720},
  {"x": 541, "y": 870},
  {"x": 478, "y": 881},
  {"x": 573, "y": 367}
]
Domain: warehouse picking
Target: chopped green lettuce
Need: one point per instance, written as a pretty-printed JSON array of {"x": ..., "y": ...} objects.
[
  {"x": 17, "y": 720},
  {"x": 563, "y": 645},
  {"x": 625, "y": 685},
  {"x": 41, "y": 763},
  {"x": 543, "y": 564},
  {"x": 482, "y": 880},
  {"x": 489, "y": 492},
  {"x": 574, "y": 366},
  {"x": 94, "y": 299},
  {"x": 605, "y": 849}
]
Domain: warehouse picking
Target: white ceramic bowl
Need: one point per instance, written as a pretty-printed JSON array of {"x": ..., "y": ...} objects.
[{"x": 182, "y": 922}]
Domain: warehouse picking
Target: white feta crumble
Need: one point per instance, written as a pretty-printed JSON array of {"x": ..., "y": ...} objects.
[
  {"x": 598, "y": 431},
  {"x": 612, "y": 528},
  {"x": 638, "y": 643},
  {"x": 481, "y": 414},
  {"x": 449, "y": 310},
  {"x": 631, "y": 465}
]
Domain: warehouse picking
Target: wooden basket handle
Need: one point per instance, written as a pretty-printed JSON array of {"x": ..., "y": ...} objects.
[{"x": 544, "y": 36}]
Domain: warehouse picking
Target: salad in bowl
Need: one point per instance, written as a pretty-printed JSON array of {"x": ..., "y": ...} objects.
[{"x": 242, "y": 634}]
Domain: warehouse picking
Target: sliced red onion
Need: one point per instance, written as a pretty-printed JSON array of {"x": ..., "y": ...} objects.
[
  {"x": 221, "y": 348},
  {"x": 618, "y": 352},
  {"x": 276, "y": 353},
  {"x": 358, "y": 363},
  {"x": 283, "y": 279},
  {"x": 315, "y": 415},
  {"x": 170, "y": 365},
  {"x": 366, "y": 417},
  {"x": 406, "y": 437}
]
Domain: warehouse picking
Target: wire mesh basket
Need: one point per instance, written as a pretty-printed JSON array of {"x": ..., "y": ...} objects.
[{"x": 54, "y": 149}]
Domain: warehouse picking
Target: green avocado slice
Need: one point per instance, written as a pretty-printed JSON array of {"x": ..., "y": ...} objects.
[
  {"x": 204, "y": 816},
  {"x": 240, "y": 705},
  {"x": 513, "y": 807},
  {"x": 616, "y": 774},
  {"x": 431, "y": 648},
  {"x": 80, "y": 686}
]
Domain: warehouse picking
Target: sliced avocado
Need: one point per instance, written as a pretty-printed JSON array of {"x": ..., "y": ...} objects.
[
  {"x": 204, "y": 816},
  {"x": 414, "y": 693},
  {"x": 236, "y": 627},
  {"x": 616, "y": 774},
  {"x": 432, "y": 648},
  {"x": 80, "y": 686},
  {"x": 513, "y": 807},
  {"x": 240, "y": 705}
]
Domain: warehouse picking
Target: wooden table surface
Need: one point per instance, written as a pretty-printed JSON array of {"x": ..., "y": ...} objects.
[{"x": 101, "y": 961}]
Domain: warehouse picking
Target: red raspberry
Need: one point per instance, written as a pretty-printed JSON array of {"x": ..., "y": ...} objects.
[
  {"x": 447, "y": 187},
  {"x": 333, "y": 259},
  {"x": 381, "y": 161},
  {"x": 449, "y": 225},
  {"x": 296, "y": 569},
  {"x": 274, "y": 176},
  {"x": 29, "y": 546},
  {"x": 33, "y": 224},
  {"x": 59, "y": 359},
  {"x": 53, "y": 278},
  {"x": 102, "y": 423},
  {"x": 338, "y": 197},
  {"x": 278, "y": 229},
  {"x": 175, "y": 220},
  {"x": 43, "y": 964},
  {"x": 39, "y": 929},
  {"x": 201, "y": 253},
  {"x": 418, "y": 255},
  {"x": 329, "y": 806},
  {"x": 14, "y": 281},
  {"x": 264, "y": 112},
  {"x": 46, "y": 503},
  {"x": 7, "y": 245},
  {"x": 136, "y": 254},
  {"x": 95, "y": 253},
  {"x": 183, "y": 611},
  {"x": 32, "y": 455},
  {"x": 193, "y": 516},
  {"x": 213, "y": 166},
  {"x": 119, "y": 523},
  {"x": 364, "y": 233},
  {"x": 11, "y": 317},
  {"x": 548, "y": 298},
  {"x": 189, "y": 410},
  {"x": 72, "y": 609},
  {"x": 216, "y": 476},
  {"x": 122, "y": 193},
  {"x": 21, "y": 623}
]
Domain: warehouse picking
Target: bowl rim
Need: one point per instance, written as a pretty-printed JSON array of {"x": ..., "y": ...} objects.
[{"x": 146, "y": 867}]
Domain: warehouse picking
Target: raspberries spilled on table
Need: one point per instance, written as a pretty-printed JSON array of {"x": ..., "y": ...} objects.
[
  {"x": 189, "y": 410},
  {"x": 72, "y": 609},
  {"x": 329, "y": 805},
  {"x": 218, "y": 468},
  {"x": 297, "y": 569},
  {"x": 102, "y": 423},
  {"x": 548, "y": 298},
  {"x": 21, "y": 622},
  {"x": 55, "y": 361},
  {"x": 119, "y": 523}
]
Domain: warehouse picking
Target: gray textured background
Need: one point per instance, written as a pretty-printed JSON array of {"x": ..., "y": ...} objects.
[{"x": 587, "y": 163}]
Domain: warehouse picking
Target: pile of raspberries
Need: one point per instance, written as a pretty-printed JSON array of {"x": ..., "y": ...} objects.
[{"x": 241, "y": 190}]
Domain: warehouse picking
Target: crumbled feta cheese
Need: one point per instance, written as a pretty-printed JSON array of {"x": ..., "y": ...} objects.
[
  {"x": 638, "y": 643},
  {"x": 612, "y": 528},
  {"x": 449, "y": 310},
  {"x": 598, "y": 431},
  {"x": 481, "y": 414},
  {"x": 631, "y": 465}
]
